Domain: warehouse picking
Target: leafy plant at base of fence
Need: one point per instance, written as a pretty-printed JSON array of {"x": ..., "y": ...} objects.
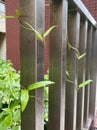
[
  {"x": 10, "y": 96},
  {"x": 46, "y": 100}
]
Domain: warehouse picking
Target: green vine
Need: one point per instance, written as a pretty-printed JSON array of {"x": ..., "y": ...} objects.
[{"x": 79, "y": 57}]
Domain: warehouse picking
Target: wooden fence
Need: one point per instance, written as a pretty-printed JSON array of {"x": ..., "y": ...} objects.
[{"x": 69, "y": 108}]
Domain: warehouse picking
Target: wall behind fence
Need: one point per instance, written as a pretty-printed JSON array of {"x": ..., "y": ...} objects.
[
  {"x": 12, "y": 33},
  {"x": 92, "y": 7}
]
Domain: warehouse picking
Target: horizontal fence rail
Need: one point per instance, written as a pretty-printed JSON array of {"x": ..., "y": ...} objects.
[
  {"x": 72, "y": 60},
  {"x": 83, "y": 10}
]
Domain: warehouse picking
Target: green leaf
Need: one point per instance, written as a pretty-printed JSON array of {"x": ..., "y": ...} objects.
[
  {"x": 16, "y": 115},
  {"x": 8, "y": 110},
  {"x": 15, "y": 104},
  {"x": 67, "y": 72},
  {"x": 38, "y": 34},
  {"x": 10, "y": 17},
  {"x": 2, "y": 127},
  {"x": 39, "y": 84},
  {"x": 81, "y": 56},
  {"x": 24, "y": 98},
  {"x": 15, "y": 128},
  {"x": 8, "y": 120},
  {"x": 18, "y": 12},
  {"x": 48, "y": 31},
  {"x": 84, "y": 83},
  {"x": 46, "y": 77}
]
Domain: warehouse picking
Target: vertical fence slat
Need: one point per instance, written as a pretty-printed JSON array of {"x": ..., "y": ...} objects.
[
  {"x": 31, "y": 51},
  {"x": 71, "y": 91},
  {"x": 87, "y": 88},
  {"x": 81, "y": 74},
  {"x": 40, "y": 65},
  {"x": 93, "y": 76},
  {"x": 57, "y": 64}
]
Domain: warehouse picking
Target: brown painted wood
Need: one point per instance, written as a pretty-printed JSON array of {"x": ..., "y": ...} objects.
[
  {"x": 57, "y": 68},
  {"x": 81, "y": 75},
  {"x": 72, "y": 67},
  {"x": 87, "y": 88},
  {"x": 31, "y": 51},
  {"x": 93, "y": 76}
]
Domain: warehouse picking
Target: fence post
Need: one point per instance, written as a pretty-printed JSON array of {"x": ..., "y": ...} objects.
[
  {"x": 58, "y": 16},
  {"x": 81, "y": 74},
  {"x": 31, "y": 55},
  {"x": 93, "y": 76},
  {"x": 87, "y": 121},
  {"x": 72, "y": 67}
]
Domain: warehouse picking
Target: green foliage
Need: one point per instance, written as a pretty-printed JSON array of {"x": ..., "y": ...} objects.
[
  {"x": 11, "y": 17},
  {"x": 46, "y": 93},
  {"x": 39, "y": 84},
  {"x": 14, "y": 97},
  {"x": 84, "y": 83},
  {"x": 46, "y": 90},
  {"x": 48, "y": 31},
  {"x": 18, "y": 13},
  {"x": 9, "y": 94},
  {"x": 25, "y": 92},
  {"x": 78, "y": 55},
  {"x": 24, "y": 99},
  {"x": 38, "y": 34},
  {"x": 46, "y": 100},
  {"x": 67, "y": 73},
  {"x": 81, "y": 56},
  {"x": 29, "y": 27}
]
